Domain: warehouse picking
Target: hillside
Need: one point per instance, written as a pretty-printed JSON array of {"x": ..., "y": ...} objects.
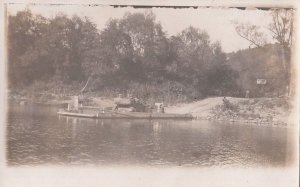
[{"x": 259, "y": 63}]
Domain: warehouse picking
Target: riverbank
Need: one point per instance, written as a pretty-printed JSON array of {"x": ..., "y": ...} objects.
[{"x": 262, "y": 111}]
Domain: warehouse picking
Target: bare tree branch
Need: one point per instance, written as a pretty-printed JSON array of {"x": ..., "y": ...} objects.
[
  {"x": 251, "y": 33},
  {"x": 282, "y": 26}
]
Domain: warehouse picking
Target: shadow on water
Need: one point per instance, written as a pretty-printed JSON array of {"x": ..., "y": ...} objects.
[{"x": 37, "y": 136}]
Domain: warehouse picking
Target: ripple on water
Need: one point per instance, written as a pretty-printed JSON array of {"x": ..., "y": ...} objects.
[{"x": 47, "y": 139}]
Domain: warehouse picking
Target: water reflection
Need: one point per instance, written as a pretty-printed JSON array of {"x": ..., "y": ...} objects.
[{"x": 36, "y": 135}]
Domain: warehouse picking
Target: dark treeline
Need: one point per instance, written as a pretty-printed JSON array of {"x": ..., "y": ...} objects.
[{"x": 132, "y": 54}]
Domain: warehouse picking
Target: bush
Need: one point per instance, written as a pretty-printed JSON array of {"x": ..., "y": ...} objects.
[{"x": 227, "y": 105}]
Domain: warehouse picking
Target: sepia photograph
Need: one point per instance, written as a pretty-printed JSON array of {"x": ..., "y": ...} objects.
[{"x": 115, "y": 95}]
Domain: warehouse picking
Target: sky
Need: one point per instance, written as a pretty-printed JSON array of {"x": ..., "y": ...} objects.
[{"x": 216, "y": 21}]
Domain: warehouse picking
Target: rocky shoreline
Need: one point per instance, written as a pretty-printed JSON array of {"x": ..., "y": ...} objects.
[{"x": 275, "y": 112}]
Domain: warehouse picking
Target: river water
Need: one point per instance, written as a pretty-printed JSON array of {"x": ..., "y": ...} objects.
[{"x": 37, "y": 136}]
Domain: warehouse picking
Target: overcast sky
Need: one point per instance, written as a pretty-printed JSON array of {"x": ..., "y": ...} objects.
[{"x": 216, "y": 21}]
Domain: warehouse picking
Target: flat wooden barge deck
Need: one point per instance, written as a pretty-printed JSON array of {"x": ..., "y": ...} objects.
[{"x": 126, "y": 115}]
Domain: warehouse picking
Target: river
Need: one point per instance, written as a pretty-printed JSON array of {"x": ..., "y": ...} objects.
[{"x": 37, "y": 136}]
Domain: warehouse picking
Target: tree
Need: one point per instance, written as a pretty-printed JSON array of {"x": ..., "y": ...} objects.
[
  {"x": 282, "y": 31},
  {"x": 281, "y": 28},
  {"x": 25, "y": 32},
  {"x": 134, "y": 47},
  {"x": 132, "y": 53},
  {"x": 251, "y": 33},
  {"x": 200, "y": 63},
  {"x": 40, "y": 49},
  {"x": 194, "y": 53},
  {"x": 74, "y": 46}
]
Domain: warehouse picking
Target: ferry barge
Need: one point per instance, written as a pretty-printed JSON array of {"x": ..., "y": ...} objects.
[{"x": 124, "y": 109}]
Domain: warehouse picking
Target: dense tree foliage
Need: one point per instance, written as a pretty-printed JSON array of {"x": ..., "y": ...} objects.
[
  {"x": 201, "y": 63},
  {"x": 43, "y": 49},
  {"x": 132, "y": 54}
]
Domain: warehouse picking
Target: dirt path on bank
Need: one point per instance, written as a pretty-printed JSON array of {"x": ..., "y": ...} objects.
[{"x": 201, "y": 108}]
